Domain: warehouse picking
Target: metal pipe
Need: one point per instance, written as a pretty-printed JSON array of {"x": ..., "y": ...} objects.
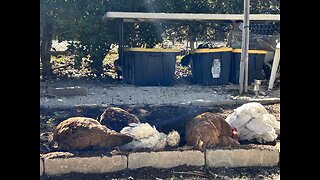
[
  {"x": 120, "y": 50},
  {"x": 243, "y": 75}
]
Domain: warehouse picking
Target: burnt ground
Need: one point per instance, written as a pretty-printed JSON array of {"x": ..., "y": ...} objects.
[
  {"x": 180, "y": 173},
  {"x": 160, "y": 116},
  {"x": 165, "y": 118}
]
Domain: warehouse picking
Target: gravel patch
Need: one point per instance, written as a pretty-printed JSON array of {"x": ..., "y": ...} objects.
[{"x": 104, "y": 94}]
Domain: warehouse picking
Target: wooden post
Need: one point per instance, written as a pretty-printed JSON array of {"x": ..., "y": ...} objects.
[{"x": 243, "y": 77}]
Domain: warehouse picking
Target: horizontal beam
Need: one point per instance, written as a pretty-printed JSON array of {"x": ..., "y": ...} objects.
[{"x": 138, "y": 16}]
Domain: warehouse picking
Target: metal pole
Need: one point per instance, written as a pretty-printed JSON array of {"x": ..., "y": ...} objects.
[
  {"x": 246, "y": 53},
  {"x": 120, "y": 50},
  {"x": 243, "y": 77}
]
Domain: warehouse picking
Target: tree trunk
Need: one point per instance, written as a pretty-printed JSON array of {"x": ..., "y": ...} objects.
[{"x": 46, "y": 43}]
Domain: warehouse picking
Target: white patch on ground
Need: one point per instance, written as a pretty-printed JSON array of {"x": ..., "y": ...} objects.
[{"x": 103, "y": 94}]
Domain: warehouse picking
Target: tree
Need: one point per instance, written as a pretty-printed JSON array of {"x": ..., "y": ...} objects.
[
  {"x": 80, "y": 21},
  {"x": 45, "y": 38}
]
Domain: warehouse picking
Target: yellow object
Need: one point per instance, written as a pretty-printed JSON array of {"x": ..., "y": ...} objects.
[
  {"x": 151, "y": 50},
  {"x": 250, "y": 51},
  {"x": 207, "y": 50}
]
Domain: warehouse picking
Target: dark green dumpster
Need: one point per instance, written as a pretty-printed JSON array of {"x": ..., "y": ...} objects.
[
  {"x": 211, "y": 66},
  {"x": 149, "y": 66},
  {"x": 255, "y": 65}
]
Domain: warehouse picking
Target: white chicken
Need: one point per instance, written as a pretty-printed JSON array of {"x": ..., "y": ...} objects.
[
  {"x": 147, "y": 137},
  {"x": 253, "y": 122}
]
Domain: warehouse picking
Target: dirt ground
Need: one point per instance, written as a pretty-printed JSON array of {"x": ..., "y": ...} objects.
[
  {"x": 165, "y": 118},
  {"x": 162, "y": 117},
  {"x": 180, "y": 173},
  {"x": 108, "y": 90}
]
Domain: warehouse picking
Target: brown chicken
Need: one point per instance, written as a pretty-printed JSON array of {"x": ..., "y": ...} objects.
[
  {"x": 116, "y": 118},
  {"x": 82, "y": 133},
  {"x": 208, "y": 130}
]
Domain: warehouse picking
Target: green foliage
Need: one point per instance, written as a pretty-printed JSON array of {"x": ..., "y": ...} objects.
[{"x": 80, "y": 21}]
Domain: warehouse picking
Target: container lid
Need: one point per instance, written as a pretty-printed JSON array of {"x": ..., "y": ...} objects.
[
  {"x": 251, "y": 51},
  {"x": 151, "y": 50},
  {"x": 207, "y": 50}
]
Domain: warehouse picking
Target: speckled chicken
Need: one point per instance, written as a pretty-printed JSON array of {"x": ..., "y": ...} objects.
[
  {"x": 116, "y": 118},
  {"x": 148, "y": 137},
  {"x": 209, "y": 130},
  {"x": 82, "y": 133},
  {"x": 254, "y": 123}
]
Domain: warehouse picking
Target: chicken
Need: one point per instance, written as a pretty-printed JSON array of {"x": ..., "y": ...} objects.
[
  {"x": 209, "y": 130},
  {"x": 116, "y": 118},
  {"x": 254, "y": 123},
  {"x": 82, "y": 133},
  {"x": 148, "y": 137}
]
